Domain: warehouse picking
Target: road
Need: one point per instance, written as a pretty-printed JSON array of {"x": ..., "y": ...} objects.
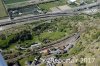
[
  {"x": 72, "y": 11},
  {"x": 37, "y": 17},
  {"x": 63, "y": 42}
]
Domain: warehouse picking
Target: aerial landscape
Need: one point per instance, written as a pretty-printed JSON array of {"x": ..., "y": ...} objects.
[{"x": 49, "y": 32}]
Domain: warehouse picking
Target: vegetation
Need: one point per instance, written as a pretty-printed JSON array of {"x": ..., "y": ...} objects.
[
  {"x": 25, "y": 35},
  {"x": 90, "y": 34},
  {"x": 51, "y": 31},
  {"x": 47, "y": 6},
  {"x": 54, "y": 29},
  {"x": 81, "y": 64},
  {"x": 77, "y": 49},
  {"x": 52, "y": 36},
  {"x": 22, "y": 61},
  {"x": 43, "y": 64},
  {"x": 3, "y": 12},
  {"x": 88, "y": 44}
]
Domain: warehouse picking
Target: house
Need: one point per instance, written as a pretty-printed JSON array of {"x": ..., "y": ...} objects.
[
  {"x": 58, "y": 51},
  {"x": 45, "y": 51},
  {"x": 35, "y": 45},
  {"x": 71, "y": 1}
]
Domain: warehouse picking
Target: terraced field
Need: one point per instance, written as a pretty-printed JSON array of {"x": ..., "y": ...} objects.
[{"x": 3, "y": 12}]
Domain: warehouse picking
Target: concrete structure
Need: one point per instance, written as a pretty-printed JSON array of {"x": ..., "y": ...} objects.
[
  {"x": 60, "y": 8},
  {"x": 64, "y": 7}
]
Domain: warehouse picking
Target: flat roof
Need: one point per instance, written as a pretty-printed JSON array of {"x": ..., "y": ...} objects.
[{"x": 72, "y": 0}]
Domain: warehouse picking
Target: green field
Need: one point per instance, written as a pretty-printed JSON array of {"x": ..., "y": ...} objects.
[
  {"x": 22, "y": 61},
  {"x": 3, "y": 12},
  {"x": 47, "y": 6}
]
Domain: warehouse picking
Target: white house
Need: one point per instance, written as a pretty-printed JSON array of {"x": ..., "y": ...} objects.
[{"x": 71, "y": 1}]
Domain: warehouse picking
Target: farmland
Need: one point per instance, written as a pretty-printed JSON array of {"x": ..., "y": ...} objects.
[
  {"x": 47, "y": 6},
  {"x": 3, "y": 12}
]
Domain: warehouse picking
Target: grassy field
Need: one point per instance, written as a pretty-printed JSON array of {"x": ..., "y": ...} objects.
[
  {"x": 53, "y": 35},
  {"x": 22, "y": 61},
  {"x": 88, "y": 45},
  {"x": 47, "y": 6},
  {"x": 2, "y": 10}
]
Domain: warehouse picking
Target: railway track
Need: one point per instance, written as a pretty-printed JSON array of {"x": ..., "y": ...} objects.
[
  {"x": 37, "y": 17},
  {"x": 73, "y": 11},
  {"x": 62, "y": 42},
  {"x": 40, "y": 17}
]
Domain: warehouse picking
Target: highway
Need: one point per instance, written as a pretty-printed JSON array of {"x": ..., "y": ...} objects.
[{"x": 73, "y": 11}]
